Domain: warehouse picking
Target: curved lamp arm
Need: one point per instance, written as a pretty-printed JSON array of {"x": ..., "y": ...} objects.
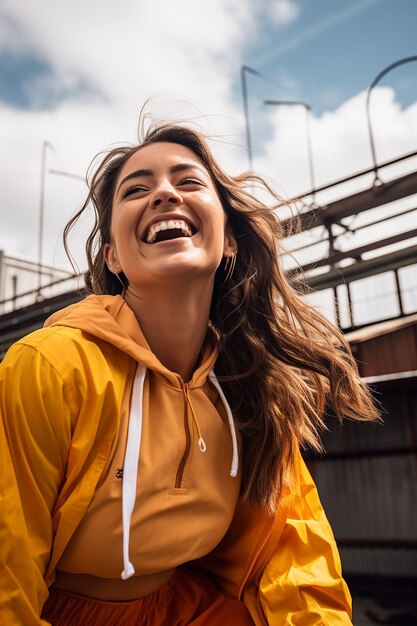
[{"x": 368, "y": 116}]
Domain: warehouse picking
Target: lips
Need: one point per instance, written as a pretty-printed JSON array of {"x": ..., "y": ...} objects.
[{"x": 163, "y": 230}]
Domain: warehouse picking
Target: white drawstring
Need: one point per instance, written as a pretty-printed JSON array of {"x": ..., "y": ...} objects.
[
  {"x": 131, "y": 461},
  {"x": 235, "y": 458},
  {"x": 130, "y": 465}
]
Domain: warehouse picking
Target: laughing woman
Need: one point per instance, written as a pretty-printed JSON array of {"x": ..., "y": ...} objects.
[{"x": 150, "y": 464}]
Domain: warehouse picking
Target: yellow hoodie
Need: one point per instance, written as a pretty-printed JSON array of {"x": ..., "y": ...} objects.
[{"x": 61, "y": 393}]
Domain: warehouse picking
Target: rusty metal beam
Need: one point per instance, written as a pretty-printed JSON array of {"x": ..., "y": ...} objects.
[
  {"x": 351, "y": 205},
  {"x": 355, "y": 253},
  {"x": 346, "y": 179},
  {"x": 362, "y": 269}
]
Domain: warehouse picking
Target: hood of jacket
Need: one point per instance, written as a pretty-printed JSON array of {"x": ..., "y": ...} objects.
[{"x": 110, "y": 319}]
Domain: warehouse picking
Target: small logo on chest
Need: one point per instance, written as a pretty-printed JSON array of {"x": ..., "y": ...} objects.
[{"x": 119, "y": 473}]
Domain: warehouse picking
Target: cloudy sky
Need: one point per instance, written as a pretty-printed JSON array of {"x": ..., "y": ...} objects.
[{"x": 77, "y": 73}]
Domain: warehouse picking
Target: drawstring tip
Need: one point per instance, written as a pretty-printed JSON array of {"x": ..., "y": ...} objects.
[
  {"x": 128, "y": 572},
  {"x": 202, "y": 444}
]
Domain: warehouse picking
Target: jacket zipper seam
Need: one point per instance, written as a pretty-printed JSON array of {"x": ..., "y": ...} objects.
[
  {"x": 183, "y": 461},
  {"x": 255, "y": 559}
]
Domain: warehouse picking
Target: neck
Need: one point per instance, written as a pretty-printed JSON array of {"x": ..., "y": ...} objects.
[{"x": 174, "y": 322}]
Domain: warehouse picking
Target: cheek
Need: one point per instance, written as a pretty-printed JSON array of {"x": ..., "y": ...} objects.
[
  {"x": 221, "y": 229},
  {"x": 118, "y": 226},
  {"x": 215, "y": 215},
  {"x": 113, "y": 223}
]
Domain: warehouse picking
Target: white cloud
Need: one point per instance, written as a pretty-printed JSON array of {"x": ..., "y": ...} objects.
[
  {"x": 283, "y": 12},
  {"x": 185, "y": 56},
  {"x": 340, "y": 140},
  {"x": 131, "y": 50},
  {"x": 77, "y": 131},
  {"x": 13, "y": 39}
]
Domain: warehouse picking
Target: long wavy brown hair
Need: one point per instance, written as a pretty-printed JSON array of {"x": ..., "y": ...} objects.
[{"x": 282, "y": 365}]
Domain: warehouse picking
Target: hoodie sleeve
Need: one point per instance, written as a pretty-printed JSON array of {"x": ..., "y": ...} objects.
[
  {"x": 34, "y": 439},
  {"x": 302, "y": 582}
]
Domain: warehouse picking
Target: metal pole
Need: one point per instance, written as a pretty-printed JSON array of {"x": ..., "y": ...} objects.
[
  {"x": 350, "y": 305},
  {"x": 399, "y": 295},
  {"x": 329, "y": 229},
  {"x": 310, "y": 154},
  {"x": 243, "y": 71},
  {"x": 246, "y": 112},
  {"x": 41, "y": 214}
]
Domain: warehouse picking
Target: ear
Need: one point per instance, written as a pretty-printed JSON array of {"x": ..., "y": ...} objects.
[
  {"x": 111, "y": 258},
  {"x": 230, "y": 243}
]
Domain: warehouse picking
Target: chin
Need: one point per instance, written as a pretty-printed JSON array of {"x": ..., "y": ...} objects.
[{"x": 177, "y": 272}]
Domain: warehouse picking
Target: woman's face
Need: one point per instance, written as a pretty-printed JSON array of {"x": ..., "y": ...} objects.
[{"x": 167, "y": 222}]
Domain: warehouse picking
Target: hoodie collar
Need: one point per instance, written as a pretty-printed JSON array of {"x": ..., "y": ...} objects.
[{"x": 110, "y": 319}]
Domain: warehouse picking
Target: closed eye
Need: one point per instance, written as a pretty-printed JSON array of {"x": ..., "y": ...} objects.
[
  {"x": 190, "y": 181},
  {"x": 133, "y": 189}
]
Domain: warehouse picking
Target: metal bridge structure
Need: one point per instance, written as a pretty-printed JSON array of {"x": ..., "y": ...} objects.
[{"x": 352, "y": 249}]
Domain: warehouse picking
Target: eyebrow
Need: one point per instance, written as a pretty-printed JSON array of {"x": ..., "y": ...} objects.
[{"x": 180, "y": 167}]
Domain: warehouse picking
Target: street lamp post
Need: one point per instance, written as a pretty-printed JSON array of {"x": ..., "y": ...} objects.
[
  {"x": 243, "y": 70},
  {"x": 45, "y": 147},
  {"x": 308, "y": 134},
  {"x": 44, "y": 171}
]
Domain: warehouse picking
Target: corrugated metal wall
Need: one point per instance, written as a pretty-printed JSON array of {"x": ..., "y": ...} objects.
[{"x": 368, "y": 485}]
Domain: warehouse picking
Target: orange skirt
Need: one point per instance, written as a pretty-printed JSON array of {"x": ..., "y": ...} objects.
[{"x": 187, "y": 598}]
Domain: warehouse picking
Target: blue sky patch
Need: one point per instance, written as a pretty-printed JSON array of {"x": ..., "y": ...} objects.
[
  {"x": 334, "y": 50},
  {"x": 29, "y": 83}
]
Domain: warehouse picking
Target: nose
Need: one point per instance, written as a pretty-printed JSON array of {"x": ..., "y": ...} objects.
[{"x": 166, "y": 195}]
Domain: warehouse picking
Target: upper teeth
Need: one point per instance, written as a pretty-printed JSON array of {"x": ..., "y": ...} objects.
[{"x": 167, "y": 225}]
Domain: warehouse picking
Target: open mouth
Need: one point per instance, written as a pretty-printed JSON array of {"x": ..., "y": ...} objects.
[{"x": 168, "y": 229}]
